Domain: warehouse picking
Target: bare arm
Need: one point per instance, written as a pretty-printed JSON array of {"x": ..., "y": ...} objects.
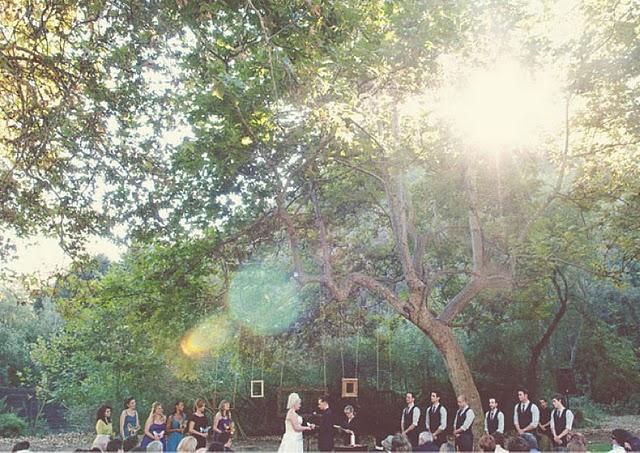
[
  {"x": 148, "y": 433},
  {"x": 122, "y": 425},
  {"x": 297, "y": 427},
  {"x": 216, "y": 419}
]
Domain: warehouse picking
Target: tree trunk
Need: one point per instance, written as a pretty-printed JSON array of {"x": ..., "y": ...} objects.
[
  {"x": 457, "y": 369},
  {"x": 536, "y": 350}
]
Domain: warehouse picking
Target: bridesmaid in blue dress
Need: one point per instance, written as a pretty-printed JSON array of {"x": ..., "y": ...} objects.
[
  {"x": 155, "y": 427},
  {"x": 129, "y": 424},
  {"x": 175, "y": 426}
]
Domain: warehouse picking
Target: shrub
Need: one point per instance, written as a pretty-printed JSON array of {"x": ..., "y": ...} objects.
[{"x": 11, "y": 425}]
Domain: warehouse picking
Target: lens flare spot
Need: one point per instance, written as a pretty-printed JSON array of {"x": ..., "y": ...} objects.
[
  {"x": 207, "y": 337},
  {"x": 263, "y": 298}
]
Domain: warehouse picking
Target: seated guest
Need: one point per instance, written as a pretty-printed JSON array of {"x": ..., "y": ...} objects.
[
  {"x": 517, "y": 443},
  {"x": 188, "y": 444},
  {"x": 399, "y": 442},
  {"x": 114, "y": 445},
  {"x": 447, "y": 447},
  {"x": 21, "y": 446},
  {"x": 155, "y": 445},
  {"x": 621, "y": 439},
  {"x": 130, "y": 443},
  {"x": 426, "y": 443},
  {"x": 499, "y": 438},
  {"x": 487, "y": 443},
  {"x": 576, "y": 442},
  {"x": 532, "y": 441}
]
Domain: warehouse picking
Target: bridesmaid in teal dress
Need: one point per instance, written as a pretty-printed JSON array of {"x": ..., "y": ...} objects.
[{"x": 175, "y": 426}]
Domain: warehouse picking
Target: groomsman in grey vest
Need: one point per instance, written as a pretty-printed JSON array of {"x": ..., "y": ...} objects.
[
  {"x": 435, "y": 419},
  {"x": 526, "y": 415},
  {"x": 493, "y": 419},
  {"x": 561, "y": 422}
]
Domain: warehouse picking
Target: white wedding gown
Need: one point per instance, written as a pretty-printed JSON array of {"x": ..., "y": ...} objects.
[{"x": 292, "y": 442}]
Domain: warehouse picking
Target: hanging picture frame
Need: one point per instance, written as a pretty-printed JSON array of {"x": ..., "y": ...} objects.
[
  {"x": 349, "y": 387},
  {"x": 257, "y": 388}
]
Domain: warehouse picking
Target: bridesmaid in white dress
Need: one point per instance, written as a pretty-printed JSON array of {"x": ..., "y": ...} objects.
[{"x": 292, "y": 441}]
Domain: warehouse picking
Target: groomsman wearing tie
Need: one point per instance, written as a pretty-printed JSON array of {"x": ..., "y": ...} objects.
[
  {"x": 493, "y": 419},
  {"x": 462, "y": 425},
  {"x": 561, "y": 422},
  {"x": 436, "y": 419},
  {"x": 526, "y": 415},
  {"x": 409, "y": 420}
]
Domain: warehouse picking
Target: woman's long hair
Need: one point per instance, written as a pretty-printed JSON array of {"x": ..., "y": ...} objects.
[
  {"x": 101, "y": 415},
  {"x": 175, "y": 407},
  {"x": 154, "y": 406},
  {"x": 224, "y": 413},
  {"x": 199, "y": 403}
]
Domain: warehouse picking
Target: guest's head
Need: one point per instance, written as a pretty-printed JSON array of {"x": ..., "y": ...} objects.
[
  {"x": 424, "y": 437},
  {"x": 349, "y": 411},
  {"x": 187, "y": 445},
  {"x": 178, "y": 407},
  {"x": 101, "y": 441},
  {"x": 294, "y": 402},
  {"x": 199, "y": 405},
  {"x": 632, "y": 444},
  {"x": 462, "y": 401},
  {"x": 435, "y": 397},
  {"x": 576, "y": 442},
  {"x": 130, "y": 443},
  {"x": 493, "y": 403},
  {"x": 21, "y": 446},
  {"x": 398, "y": 442},
  {"x": 523, "y": 394},
  {"x": 323, "y": 403},
  {"x": 224, "y": 438},
  {"x": 156, "y": 445},
  {"x": 224, "y": 407},
  {"x": 447, "y": 447},
  {"x": 114, "y": 445},
  {"x": 518, "y": 443},
  {"x": 620, "y": 436},
  {"x": 487, "y": 443},
  {"x": 410, "y": 398},
  {"x": 104, "y": 414},
  {"x": 543, "y": 403},
  {"x": 531, "y": 440},
  {"x": 130, "y": 403},
  {"x": 499, "y": 438}
]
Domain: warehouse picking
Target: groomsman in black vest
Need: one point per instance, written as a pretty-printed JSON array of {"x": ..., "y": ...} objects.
[
  {"x": 493, "y": 419},
  {"x": 462, "y": 425},
  {"x": 436, "y": 419},
  {"x": 561, "y": 422},
  {"x": 526, "y": 415},
  {"x": 410, "y": 418}
]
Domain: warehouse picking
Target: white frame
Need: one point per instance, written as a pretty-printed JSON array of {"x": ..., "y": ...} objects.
[{"x": 255, "y": 394}]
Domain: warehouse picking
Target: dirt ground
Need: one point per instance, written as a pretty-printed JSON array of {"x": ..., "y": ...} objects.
[{"x": 71, "y": 441}]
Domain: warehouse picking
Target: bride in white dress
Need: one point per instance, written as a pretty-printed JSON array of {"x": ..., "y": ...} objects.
[{"x": 292, "y": 441}]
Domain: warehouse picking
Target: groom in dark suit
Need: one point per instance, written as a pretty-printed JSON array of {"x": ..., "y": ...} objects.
[{"x": 325, "y": 429}]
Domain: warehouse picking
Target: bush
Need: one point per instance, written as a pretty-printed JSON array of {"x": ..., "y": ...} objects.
[{"x": 11, "y": 425}]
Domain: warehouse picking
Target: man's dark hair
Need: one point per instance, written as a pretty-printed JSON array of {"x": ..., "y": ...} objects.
[
  {"x": 215, "y": 446},
  {"x": 559, "y": 397},
  {"x": 22, "y": 445},
  {"x": 130, "y": 443},
  {"x": 413, "y": 395},
  {"x": 518, "y": 444},
  {"x": 523, "y": 390},
  {"x": 324, "y": 399},
  {"x": 494, "y": 398},
  {"x": 437, "y": 392},
  {"x": 114, "y": 445},
  {"x": 499, "y": 438}
]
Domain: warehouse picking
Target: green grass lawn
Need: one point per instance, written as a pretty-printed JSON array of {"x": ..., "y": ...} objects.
[{"x": 599, "y": 446}]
